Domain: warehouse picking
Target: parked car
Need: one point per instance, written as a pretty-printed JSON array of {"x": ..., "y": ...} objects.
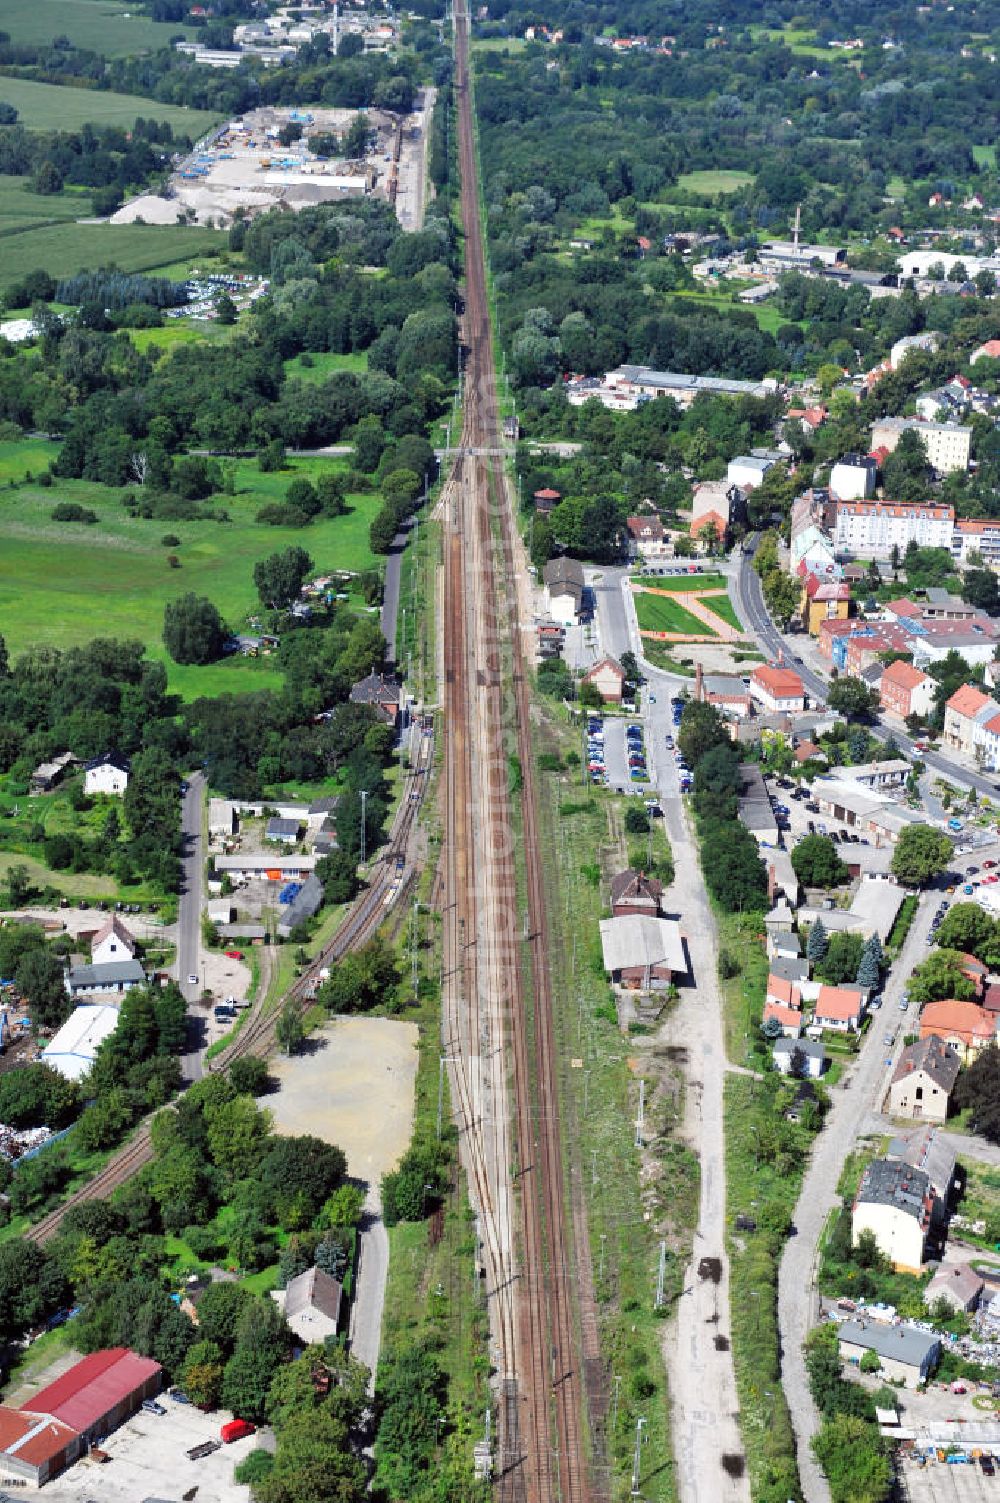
[
  {"x": 152, "y": 1407},
  {"x": 234, "y": 954},
  {"x": 237, "y": 1429},
  {"x": 194, "y": 980}
]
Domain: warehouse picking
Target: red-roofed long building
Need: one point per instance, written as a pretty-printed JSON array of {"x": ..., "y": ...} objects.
[
  {"x": 35, "y": 1446},
  {"x": 100, "y": 1392},
  {"x": 777, "y": 690}
]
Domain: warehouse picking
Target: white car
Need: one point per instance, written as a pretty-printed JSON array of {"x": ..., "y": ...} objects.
[{"x": 194, "y": 980}]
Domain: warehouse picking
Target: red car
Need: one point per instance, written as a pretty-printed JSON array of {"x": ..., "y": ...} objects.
[
  {"x": 236, "y": 1429},
  {"x": 234, "y": 954}
]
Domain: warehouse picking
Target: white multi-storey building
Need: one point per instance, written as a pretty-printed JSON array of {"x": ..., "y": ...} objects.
[
  {"x": 948, "y": 445},
  {"x": 871, "y": 529}
]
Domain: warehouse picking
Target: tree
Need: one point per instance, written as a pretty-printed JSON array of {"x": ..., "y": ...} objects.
[
  {"x": 289, "y": 1031},
  {"x": 37, "y": 1096},
  {"x": 851, "y": 1453},
  {"x": 279, "y": 578},
  {"x": 702, "y": 727},
  {"x": 980, "y": 588},
  {"x": 941, "y": 976},
  {"x": 818, "y": 942},
  {"x": 202, "y": 1373},
  {"x": 969, "y": 928},
  {"x": 852, "y": 697},
  {"x": 18, "y": 885},
  {"x": 978, "y": 1088},
  {"x": 225, "y": 309},
  {"x": 299, "y": 1174},
  {"x": 869, "y": 973},
  {"x": 249, "y": 1075},
  {"x": 237, "y": 1133},
  {"x": 734, "y": 872},
  {"x": 32, "y": 1287},
  {"x": 817, "y": 862},
  {"x": 40, "y": 980},
  {"x": 193, "y": 630},
  {"x": 921, "y": 852},
  {"x": 262, "y": 1341},
  {"x": 839, "y": 965},
  {"x": 219, "y": 1312}
]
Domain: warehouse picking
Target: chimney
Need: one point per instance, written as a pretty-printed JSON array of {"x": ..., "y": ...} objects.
[
  {"x": 698, "y": 684},
  {"x": 772, "y": 884}
]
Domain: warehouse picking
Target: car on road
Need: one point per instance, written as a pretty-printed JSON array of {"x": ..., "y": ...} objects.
[
  {"x": 970, "y": 871},
  {"x": 874, "y": 1004},
  {"x": 988, "y": 865},
  {"x": 670, "y": 743},
  {"x": 888, "y": 1062},
  {"x": 890, "y": 1037},
  {"x": 152, "y": 1407},
  {"x": 194, "y": 980},
  {"x": 234, "y": 954}
]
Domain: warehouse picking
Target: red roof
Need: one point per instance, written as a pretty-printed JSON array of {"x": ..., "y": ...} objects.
[
  {"x": 94, "y": 1386},
  {"x": 967, "y": 701},
  {"x": 782, "y": 683},
  {"x": 903, "y": 675},
  {"x": 707, "y": 518},
  {"x": 788, "y": 1017},
  {"x": 32, "y": 1437},
  {"x": 548, "y": 495},
  {"x": 841, "y": 1003},
  {"x": 953, "y": 1019}
]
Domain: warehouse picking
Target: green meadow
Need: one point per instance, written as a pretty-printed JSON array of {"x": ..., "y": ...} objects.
[
  {"x": 64, "y": 249},
  {"x": 655, "y": 613},
  {"x": 42, "y": 106},
  {"x": 110, "y": 27},
  {"x": 711, "y": 182}
]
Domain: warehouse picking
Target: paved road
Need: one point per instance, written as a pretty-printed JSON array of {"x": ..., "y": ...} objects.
[
  {"x": 854, "y": 1102},
  {"x": 391, "y": 590},
  {"x": 369, "y": 1298},
  {"x": 189, "y": 924}
]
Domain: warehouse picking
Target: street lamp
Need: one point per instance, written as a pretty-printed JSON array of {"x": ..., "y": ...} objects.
[{"x": 364, "y": 801}]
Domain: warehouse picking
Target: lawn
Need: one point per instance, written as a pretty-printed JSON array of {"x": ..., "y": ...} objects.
[
  {"x": 687, "y": 584},
  {"x": 324, "y": 364},
  {"x": 985, "y": 156},
  {"x": 110, "y": 27},
  {"x": 769, "y": 317},
  {"x": 64, "y": 249},
  {"x": 180, "y": 331},
  {"x": 721, "y": 605},
  {"x": 26, "y": 456},
  {"x": 64, "y": 583},
  {"x": 711, "y": 182},
  {"x": 43, "y": 106},
  {"x": 19, "y": 206},
  {"x": 498, "y": 44},
  {"x": 655, "y": 613}
]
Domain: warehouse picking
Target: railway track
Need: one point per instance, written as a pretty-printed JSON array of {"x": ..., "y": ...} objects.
[
  {"x": 490, "y": 1006},
  {"x": 387, "y": 885}
]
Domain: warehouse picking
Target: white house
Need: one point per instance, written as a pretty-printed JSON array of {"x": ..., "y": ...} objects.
[
  {"x": 564, "y": 587},
  {"x": 895, "y": 1203},
  {"x": 947, "y": 444},
  {"x": 311, "y": 1305},
  {"x": 107, "y": 774},
  {"x": 871, "y": 529},
  {"x": 112, "y": 943},
  {"x": 853, "y": 477},
  {"x": 811, "y": 1053},
  {"x": 96, "y": 980},
  {"x": 747, "y": 471}
]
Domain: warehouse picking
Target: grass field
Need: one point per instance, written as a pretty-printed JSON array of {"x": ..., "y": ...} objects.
[
  {"x": 769, "y": 318},
  {"x": 43, "y": 106},
  {"x": 324, "y": 365},
  {"x": 180, "y": 331},
  {"x": 65, "y": 583},
  {"x": 498, "y": 44},
  {"x": 721, "y": 605},
  {"x": 20, "y": 207},
  {"x": 711, "y": 182},
  {"x": 654, "y": 613},
  {"x": 692, "y": 584},
  {"x": 64, "y": 249},
  {"x": 683, "y": 583},
  {"x": 110, "y": 26},
  {"x": 985, "y": 156}
]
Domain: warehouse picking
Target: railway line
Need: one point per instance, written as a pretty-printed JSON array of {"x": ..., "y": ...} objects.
[
  {"x": 498, "y": 1000},
  {"x": 389, "y": 882}
]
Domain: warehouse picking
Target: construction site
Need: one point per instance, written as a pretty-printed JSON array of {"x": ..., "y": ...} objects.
[{"x": 293, "y": 158}]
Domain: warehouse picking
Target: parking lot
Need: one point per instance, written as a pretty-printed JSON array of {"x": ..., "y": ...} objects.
[
  {"x": 609, "y": 748},
  {"x": 149, "y": 1460},
  {"x": 937, "y": 1482}
]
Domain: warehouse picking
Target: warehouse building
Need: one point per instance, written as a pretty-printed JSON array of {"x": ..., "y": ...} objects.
[
  {"x": 35, "y": 1447},
  {"x": 100, "y": 1392}
]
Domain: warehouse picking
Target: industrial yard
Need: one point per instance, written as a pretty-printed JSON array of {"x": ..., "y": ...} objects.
[{"x": 253, "y": 164}]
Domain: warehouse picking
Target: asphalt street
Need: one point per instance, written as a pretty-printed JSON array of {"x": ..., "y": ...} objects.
[
  {"x": 390, "y": 593},
  {"x": 189, "y": 924}
]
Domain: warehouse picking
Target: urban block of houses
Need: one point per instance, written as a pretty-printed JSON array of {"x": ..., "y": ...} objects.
[
  {"x": 972, "y": 725},
  {"x": 564, "y": 589},
  {"x": 777, "y": 689},
  {"x": 905, "y": 690},
  {"x": 966, "y": 1026},
  {"x": 924, "y": 1079},
  {"x": 608, "y": 677},
  {"x": 976, "y": 535},
  {"x": 822, "y": 600},
  {"x": 107, "y": 774},
  {"x": 895, "y": 1202},
  {"x": 747, "y": 471},
  {"x": 906, "y": 1354},
  {"x": 948, "y": 445},
  {"x": 642, "y": 952},
  {"x": 726, "y": 691},
  {"x": 839, "y": 1008}
]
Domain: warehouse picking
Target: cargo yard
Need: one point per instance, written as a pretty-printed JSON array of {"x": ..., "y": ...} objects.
[{"x": 274, "y": 157}]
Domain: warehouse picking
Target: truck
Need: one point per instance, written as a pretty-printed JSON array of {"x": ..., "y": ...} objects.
[{"x": 237, "y": 1429}]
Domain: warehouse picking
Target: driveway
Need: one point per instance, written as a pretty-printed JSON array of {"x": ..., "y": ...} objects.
[
  {"x": 189, "y": 925},
  {"x": 858, "y": 1096}
]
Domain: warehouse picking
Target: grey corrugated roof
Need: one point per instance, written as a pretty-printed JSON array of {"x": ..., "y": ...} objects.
[
  {"x": 307, "y": 903},
  {"x": 901, "y": 1343},
  {"x": 111, "y": 973}
]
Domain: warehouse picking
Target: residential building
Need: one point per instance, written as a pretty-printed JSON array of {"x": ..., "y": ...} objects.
[
  {"x": 871, "y": 529},
  {"x": 106, "y": 774},
  {"x": 223, "y": 818},
  {"x": 906, "y": 1354},
  {"x": 972, "y": 724},
  {"x": 966, "y": 1026},
  {"x": 790, "y": 1018},
  {"x": 928, "y": 340},
  {"x": 891, "y": 772},
  {"x": 853, "y": 477},
  {"x": 634, "y": 892},
  {"x": 112, "y": 942},
  {"x": 608, "y": 677},
  {"x": 776, "y": 689},
  {"x": 975, "y": 643},
  {"x": 564, "y": 587},
  {"x": 637, "y": 381},
  {"x": 99, "y": 1392},
  {"x": 747, "y": 471},
  {"x": 905, "y": 690},
  {"x": 312, "y": 1304},
  {"x": 265, "y": 865},
  {"x": 648, "y": 537},
  {"x": 924, "y": 1079},
  {"x": 74, "y": 1048},
  {"x": 948, "y": 445},
  {"x": 802, "y": 1056},
  {"x": 925, "y": 1149},
  {"x": 113, "y": 976},
  {"x": 839, "y": 1008},
  {"x": 823, "y": 600},
  {"x": 959, "y": 1285},
  {"x": 34, "y": 1447},
  {"x": 709, "y": 529},
  {"x": 383, "y": 693},
  {"x": 642, "y": 952},
  {"x": 713, "y": 498},
  {"x": 785, "y": 991},
  {"x": 980, "y": 535},
  {"x": 988, "y": 351},
  {"x": 284, "y": 831},
  {"x": 895, "y": 1203},
  {"x": 726, "y": 691}
]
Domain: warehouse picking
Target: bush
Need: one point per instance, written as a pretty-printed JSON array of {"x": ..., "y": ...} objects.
[
  {"x": 68, "y": 511},
  {"x": 170, "y": 540}
]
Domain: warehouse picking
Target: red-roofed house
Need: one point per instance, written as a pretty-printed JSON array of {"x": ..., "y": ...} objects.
[
  {"x": 546, "y": 499},
  {"x": 777, "y": 690},
  {"x": 829, "y": 632},
  {"x": 975, "y": 972},
  {"x": 790, "y": 1018},
  {"x": 713, "y": 519},
  {"x": 988, "y": 351},
  {"x": 784, "y": 993},
  {"x": 824, "y": 600},
  {"x": 904, "y": 690},
  {"x": 963, "y": 713},
  {"x": 811, "y": 418},
  {"x": 608, "y": 678},
  {"x": 648, "y": 537},
  {"x": 35, "y": 1446},
  {"x": 965, "y": 1025},
  {"x": 840, "y": 1008},
  {"x": 100, "y": 1392}
]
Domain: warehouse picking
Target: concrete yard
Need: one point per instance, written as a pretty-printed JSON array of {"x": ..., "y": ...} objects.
[
  {"x": 939, "y": 1483},
  {"x": 149, "y": 1460},
  {"x": 353, "y": 1086}
]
